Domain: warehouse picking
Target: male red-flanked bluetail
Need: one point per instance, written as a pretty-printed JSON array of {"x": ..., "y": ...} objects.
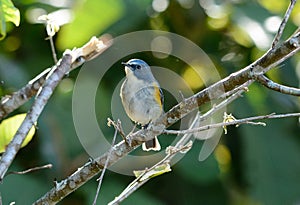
[{"x": 142, "y": 97}]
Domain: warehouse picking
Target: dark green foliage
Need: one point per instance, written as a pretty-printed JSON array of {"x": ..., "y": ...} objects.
[{"x": 263, "y": 165}]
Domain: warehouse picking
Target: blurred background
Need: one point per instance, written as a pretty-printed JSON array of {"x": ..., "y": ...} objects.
[{"x": 251, "y": 165}]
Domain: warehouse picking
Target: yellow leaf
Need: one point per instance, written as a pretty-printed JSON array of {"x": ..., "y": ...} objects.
[
  {"x": 8, "y": 129},
  {"x": 158, "y": 170},
  {"x": 8, "y": 13}
]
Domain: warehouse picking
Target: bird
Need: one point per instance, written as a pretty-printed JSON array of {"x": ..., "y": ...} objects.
[{"x": 142, "y": 97}]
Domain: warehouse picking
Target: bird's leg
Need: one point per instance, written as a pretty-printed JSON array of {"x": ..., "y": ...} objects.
[
  {"x": 146, "y": 125},
  {"x": 132, "y": 129},
  {"x": 152, "y": 144},
  {"x": 127, "y": 138}
]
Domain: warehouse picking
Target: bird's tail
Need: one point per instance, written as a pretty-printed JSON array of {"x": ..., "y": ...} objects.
[{"x": 151, "y": 145}]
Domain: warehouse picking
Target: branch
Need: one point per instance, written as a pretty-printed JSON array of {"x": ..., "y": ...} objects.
[
  {"x": 13, "y": 147},
  {"x": 83, "y": 174},
  {"x": 47, "y": 166},
  {"x": 100, "y": 179},
  {"x": 262, "y": 79},
  {"x": 283, "y": 23},
  {"x": 181, "y": 146},
  {"x": 245, "y": 75},
  {"x": 70, "y": 60},
  {"x": 159, "y": 168},
  {"x": 248, "y": 74},
  {"x": 53, "y": 49},
  {"x": 232, "y": 95},
  {"x": 89, "y": 51},
  {"x": 238, "y": 122},
  {"x": 11, "y": 102},
  {"x": 163, "y": 166},
  {"x": 148, "y": 173},
  {"x": 117, "y": 125}
]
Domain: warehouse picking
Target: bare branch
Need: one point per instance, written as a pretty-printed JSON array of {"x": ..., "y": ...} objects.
[
  {"x": 117, "y": 126},
  {"x": 159, "y": 168},
  {"x": 271, "y": 59},
  {"x": 277, "y": 87},
  {"x": 248, "y": 120},
  {"x": 32, "y": 116},
  {"x": 233, "y": 95},
  {"x": 283, "y": 23},
  {"x": 180, "y": 145},
  {"x": 100, "y": 179},
  {"x": 53, "y": 49},
  {"x": 238, "y": 90},
  {"x": 91, "y": 168},
  {"x": 11, "y": 102},
  {"x": 89, "y": 51},
  {"x": 83, "y": 174},
  {"x": 70, "y": 60},
  {"x": 47, "y": 166}
]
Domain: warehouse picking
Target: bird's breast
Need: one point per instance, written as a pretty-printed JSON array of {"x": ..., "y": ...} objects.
[{"x": 139, "y": 100}]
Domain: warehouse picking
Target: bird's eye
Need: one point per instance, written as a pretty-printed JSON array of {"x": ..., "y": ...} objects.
[{"x": 138, "y": 67}]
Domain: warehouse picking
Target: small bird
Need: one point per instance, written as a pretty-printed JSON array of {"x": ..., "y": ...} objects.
[{"x": 142, "y": 97}]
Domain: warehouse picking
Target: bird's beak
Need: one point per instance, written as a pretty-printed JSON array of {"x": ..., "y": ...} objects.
[{"x": 127, "y": 67}]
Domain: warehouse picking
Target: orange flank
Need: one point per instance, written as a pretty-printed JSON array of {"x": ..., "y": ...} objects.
[{"x": 157, "y": 94}]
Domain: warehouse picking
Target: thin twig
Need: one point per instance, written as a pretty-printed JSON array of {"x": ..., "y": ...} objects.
[
  {"x": 232, "y": 95},
  {"x": 277, "y": 87},
  {"x": 181, "y": 95},
  {"x": 47, "y": 166},
  {"x": 185, "y": 138},
  {"x": 283, "y": 23},
  {"x": 150, "y": 173},
  {"x": 117, "y": 126},
  {"x": 248, "y": 120},
  {"x": 238, "y": 90},
  {"x": 53, "y": 49},
  {"x": 100, "y": 179}
]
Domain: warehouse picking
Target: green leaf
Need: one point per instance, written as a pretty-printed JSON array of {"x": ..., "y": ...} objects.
[
  {"x": 86, "y": 25},
  {"x": 8, "y": 129},
  {"x": 8, "y": 13}
]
